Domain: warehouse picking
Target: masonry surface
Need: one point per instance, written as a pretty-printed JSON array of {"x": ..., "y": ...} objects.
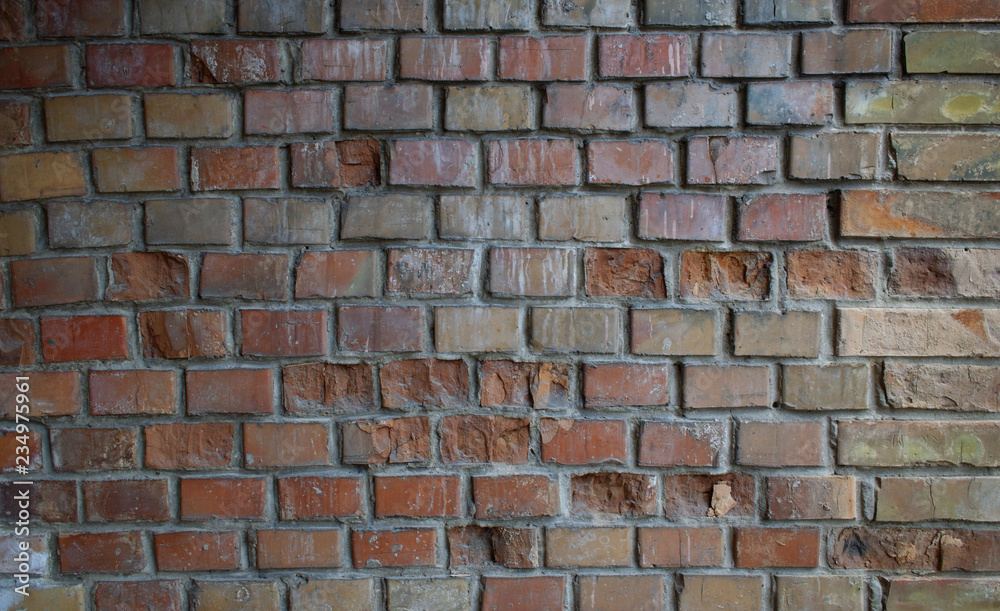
[{"x": 501, "y": 304}]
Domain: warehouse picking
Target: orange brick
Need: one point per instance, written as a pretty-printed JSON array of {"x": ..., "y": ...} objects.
[
  {"x": 286, "y": 444},
  {"x": 111, "y": 552},
  {"x": 223, "y": 499},
  {"x": 183, "y": 445},
  {"x": 515, "y": 496},
  {"x": 198, "y": 551},
  {"x": 417, "y": 496},
  {"x": 583, "y": 442},
  {"x": 125, "y": 170},
  {"x": 681, "y": 547},
  {"x": 410, "y": 547},
  {"x": 319, "y": 498},
  {"x": 41, "y": 175},
  {"x": 777, "y": 547},
  {"x": 234, "y": 168}
]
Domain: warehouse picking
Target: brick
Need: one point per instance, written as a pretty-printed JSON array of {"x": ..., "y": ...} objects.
[
  {"x": 780, "y": 444},
  {"x": 931, "y": 272},
  {"x": 682, "y": 216},
  {"x": 36, "y": 176},
  {"x": 410, "y": 547},
  {"x": 490, "y": 108},
  {"x": 52, "y": 281},
  {"x": 746, "y": 55},
  {"x": 53, "y": 393},
  {"x": 732, "y": 161},
  {"x": 189, "y": 221},
  {"x": 821, "y": 592},
  {"x": 673, "y": 332},
  {"x": 902, "y": 499},
  {"x": 131, "y": 65},
  {"x": 951, "y": 51},
  {"x": 84, "y": 338},
  {"x": 144, "y": 276},
  {"x": 110, "y": 552},
  {"x": 823, "y": 274},
  {"x": 347, "y": 594},
  {"x": 830, "y": 156},
  {"x": 587, "y": 547},
  {"x": 939, "y": 332},
  {"x": 907, "y": 594},
  {"x": 589, "y": 107},
  {"x": 697, "y": 496},
  {"x": 921, "y": 11},
  {"x": 388, "y": 107},
  {"x": 78, "y": 18},
  {"x": 649, "y": 55},
  {"x": 328, "y": 387},
  {"x": 729, "y": 386},
  {"x": 450, "y": 58},
  {"x": 390, "y": 216},
  {"x": 533, "y": 162},
  {"x": 92, "y": 117},
  {"x": 811, "y": 387},
  {"x": 620, "y": 592},
  {"x": 768, "y": 12},
  {"x": 244, "y": 61},
  {"x": 584, "y": 218},
  {"x": 228, "y": 168},
  {"x": 286, "y": 221},
  {"x": 380, "y": 328},
  {"x": 537, "y": 385},
  {"x": 254, "y": 596},
  {"x": 161, "y": 594},
  {"x": 36, "y": 66},
  {"x": 384, "y": 15},
  {"x": 484, "y": 439},
  {"x": 300, "y": 111},
  {"x": 680, "y": 547},
  {"x": 298, "y": 549},
  {"x": 341, "y": 273},
  {"x": 782, "y": 217},
  {"x": 449, "y": 163},
  {"x": 132, "y": 392},
  {"x": 725, "y": 275},
  {"x": 626, "y": 384},
  {"x": 15, "y": 122},
  {"x": 387, "y": 440},
  {"x": 344, "y": 60},
  {"x": 847, "y": 52},
  {"x": 798, "y": 103},
  {"x": 630, "y": 163},
  {"x": 928, "y": 549},
  {"x": 13, "y": 21},
  {"x": 681, "y": 444},
  {"x": 417, "y": 496},
  {"x": 531, "y": 272},
  {"x": 563, "y": 330},
  {"x": 429, "y": 271},
  {"x": 285, "y": 444},
  {"x": 184, "y": 333},
  {"x": 229, "y": 391},
  {"x": 17, "y": 341},
  {"x": 248, "y": 276},
  {"x": 905, "y": 102},
  {"x": 91, "y": 224},
  {"x": 514, "y": 496},
  {"x": 523, "y": 593},
  {"x": 924, "y": 214},
  {"x": 126, "y": 501},
  {"x": 687, "y": 104},
  {"x": 942, "y": 386},
  {"x": 449, "y": 594},
  {"x": 319, "y": 498},
  {"x": 900, "y": 444},
  {"x": 183, "y": 445},
  {"x": 812, "y": 498},
  {"x": 184, "y": 115},
  {"x": 777, "y": 547},
  {"x": 697, "y": 13},
  {"x": 545, "y": 58},
  {"x": 601, "y": 13},
  {"x": 126, "y": 170},
  {"x": 341, "y": 163},
  {"x": 496, "y": 546},
  {"x": 284, "y": 333},
  {"x": 482, "y": 217},
  {"x": 94, "y": 449},
  {"x": 944, "y": 156},
  {"x": 195, "y": 17},
  {"x": 476, "y": 329},
  {"x": 69, "y": 597},
  {"x": 492, "y": 15},
  {"x": 198, "y": 551},
  {"x": 424, "y": 382},
  {"x": 623, "y": 272},
  {"x": 583, "y": 442},
  {"x": 612, "y": 494},
  {"x": 298, "y": 16},
  {"x": 225, "y": 499},
  {"x": 10, "y": 440},
  {"x": 770, "y": 334}
]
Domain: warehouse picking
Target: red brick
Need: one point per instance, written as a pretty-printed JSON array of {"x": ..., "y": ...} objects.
[
  {"x": 198, "y": 551},
  {"x": 380, "y": 328},
  {"x": 126, "y": 501},
  {"x": 184, "y": 334},
  {"x": 583, "y": 442},
  {"x": 35, "y": 176},
  {"x": 144, "y": 276},
  {"x": 248, "y": 276},
  {"x": 77, "y": 18},
  {"x": 722, "y": 160},
  {"x": 822, "y": 274},
  {"x": 52, "y": 393},
  {"x": 284, "y": 332},
  {"x": 223, "y": 498},
  {"x": 682, "y": 216},
  {"x": 515, "y": 548},
  {"x": 624, "y": 272},
  {"x": 650, "y": 55},
  {"x": 15, "y": 122},
  {"x": 444, "y": 58},
  {"x": 389, "y": 107},
  {"x": 485, "y": 439},
  {"x": 298, "y": 549},
  {"x": 545, "y": 58},
  {"x": 388, "y": 440},
  {"x": 424, "y": 382},
  {"x": 301, "y": 111},
  {"x": 921, "y": 11},
  {"x": 183, "y": 445},
  {"x": 515, "y": 496},
  {"x": 523, "y": 593},
  {"x": 124, "y": 170},
  {"x": 681, "y": 444},
  {"x": 110, "y": 552},
  {"x": 812, "y": 498},
  {"x": 131, "y": 65},
  {"x": 533, "y": 162},
  {"x": 17, "y": 341},
  {"x": 430, "y": 271},
  {"x": 41, "y": 282},
  {"x": 681, "y": 547},
  {"x": 319, "y": 498},
  {"x": 231, "y": 168},
  {"x": 630, "y": 163},
  {"x": 235, "y": 61},
  {"x": 513, "y": 384},
  {"x": 12, "y": 21},
  {"x": 780, "y": 444},
  {"x": 36, "y": 66},
  {"x": 339, "y": 164},
  {"x": 625, "y": 384},
  {"x": 613, "y": 493},
  {"x": 589, "y": 107},
  {"x": 394, "y": 548},
  {"x": 531, "y": 272},
  {"x": 777, "y": 547},
  {"x": 783, "y": 217},
  {"x": 163, "y": 595},
  {"x": 341, "y": 273},
  {"x": 419, "y": 496},
  {"x": 285, "y": 444},
  {"x": 94, "y": 449},
  {"x": 84, "y": 338},
  {"x": 10, "y": 441},
  {"x": 323, "y": 387},
  {"x": 344, "y": 60},
  {"x": 449, "y": 163},
  {"x": 698, "y": 496},
  {"x": 229, "y": 391}
]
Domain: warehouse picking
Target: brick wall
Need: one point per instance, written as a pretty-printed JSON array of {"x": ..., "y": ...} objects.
[{"x": 501, "y": 304}]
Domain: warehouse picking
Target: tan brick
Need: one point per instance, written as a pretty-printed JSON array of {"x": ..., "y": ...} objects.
[
  {"x": 584, "y": 218},
  {"x": 924, "y": 214},
  {"x": 123, "y": 170},
  {"x": 726, "y": 386},
  {"x": 920, "y": 103},
  {"x": 445, "y": 594},
  {"x": 344, "y": 594},
  {"x": 909, "y": 332},
  {"x": 820, "y": 592},
  {"x": 680, "y": 547},
  {"x": 483, "y": 217},
  {"x": 674, "y": 332},
  {"x": 391, "y": 216},
  {"x": 476, "y": 329},
  {"x": 906, "y": 594},
  {"x": 704, "y": 592},
  {"x": 18, "y": 233},
  {"x": 574, "y": 329},
  {"x": 953, "y": 51},
  {"x": 968, "y": 499},
  {"x": 780, "y": 444},
  {"x": 621, "y": 592},
  {"x": 587, "y": 547},
  {"x": 942, "y": 386},
  {"x": 531, "y": 272},
  {"x": 91, "y": 117},
  {"x": 490, "y": 108},
  {"x": 769, "y": 334},
  {"x": 953, "y": 157},
  {"x": 812, "y": 387},
  {"x": 41, "y": 175},
  {"x": 230, "y": 595},
  {"x": 867, "y": 443},
  {"x": 824, "y": 274},
  {"x": 194, "y": 220},
  {"x": 832, "y": 156}
]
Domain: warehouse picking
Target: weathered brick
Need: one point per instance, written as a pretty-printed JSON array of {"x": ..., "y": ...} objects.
[
  {"x": 94, "y": 449},
  {"x": 680, "y": 547},
  {"x": 285, "y": 444},
  {"x": 482, "y": 217},
  {"x": 424, "y": 382},
  {"x": 214, "y": 62},
  {"x": 913, "y": 102},
  {"x": 630, "y": 163},
  {"x": 696, "y": 13},
  {"x": 444, "y": 58},
  {"x": 533, "y": 162},
  {"x": 284, "y": 332},
  {"x": 162, "y": 594},
  {"x": 286, "y": 221},
  {"x": 341, "y": 273},
  {"x": 37, "y": 176},
  {"x": 920, "y": 11},
  {"x": 769, "y": 334},
  {"x": 682, "y": 216},
  {"x": 78, "y": 18},
  {"x": 17, "y": 342},
  {"x": 812, "y": 498},
  {"x": 36, "y": 66},
  {"x": 446, "y": 594},
  {"x": 613, "y": 494},
  {"x": 318, "y": 498},
  {"x": 907, "y": 594},
  {"x": 417, "y": 496},
  {"x": 726, "y": 386},
  {"x": 13, "y": 21},
  {"x": 346, "y": 594},
  {"x": 697, "y": 496},
  {"x": 970, "y": 499},
  {"x": 820, "y": 592},
  {"x": 587, "y": 547},
  {"x": 811, "y": 387},
  {"x": 194, "y": 17},
  {"x": 476, "y": 329},
  {"x": 84, "y": 338},
  {"x": 583, "y": 442},
  {"x": 777, "y": 547},
  {"x": 198, "y": 551},
  {"x": 10, "y": 440},
  {"x": 52, "y": 281},
  {"x": 227, "y": 168},
  {"x": 794, "y": 103},
  {"x": 829, "y": 156},
  {"x": 847, "y": 52},
  {"x": 341, "y": 163},
  {"x": 108, "y": 552},
  {"x": 494, "y": 546},
  {"x": 575, "y": 329},
  {"x": 300, "y": 111},
  {"x": 746, "y": 55},
  {"x": 132, "y": 391},
  {"x": 952, "y": 51},
  {"x": 126, "y": 501},
  {"x": 782, "y": 217},
  {"x": 90, "y": 117},
  {"x": 768, "y": 12},
  {"x": 125, "y": 170},
  {"x": 295, "y": 16},
  {"x": 325, "y": 387},
  {"x": 937, "y": 332},
  {"x": 589, "y": 107},
  {"x": 523, "y": 593},
  {"x": 189, "y": 446},
  {"x": 487, "y": 15},
  {"x": 131, "y": 65},
  {"x": 681, "y": 444},
  {"x": 727, "y": 161},
  {"x": 298, "y": 549},
  {"x": 44, "y": 596},
  {"x": 255, "y": 595},
  {"x": 52, "y": 393},
  {"x": 687, "y": 104},
  {"x": 780, "y": 444},
  {"x": 408, "y": 547},
  {"x": 725, "y": 275},
  {"x": 490, "y": 108},
  {"x": 584, "y": 218},
  {"x": 531, "y": 272},
  {"x": 196, "y": 220},
  {"x": 449, "y": 163},
  {"x": 922, "y": 214},
  {"x": 650, "y": 55},
  {"x": 380, "y": 328},
  {"x": 946, "y": 272},
  {"x": 184, "y": 334},
  {"x": 673, "y": 332},
  {"x": 601, "y": 13},
  {"x": 222, "y": 498},
  {"x": 868, "y": 443},
  {"x": 515, "y": 496},
  {"x": 945, "y": 156},
  {"x": 384, "y": 15},
  {"x": 626, "y": 384},
  {"x": 484, "y": 439},
  {"x": 390, "y": 216},
  {"x": 824, "y": 274},
  {"x": 429, "y": 271},
  {"x": 250, "y": 276},
  {"x": 544, "y": 58},
  {"x": 15, "y": 124},
  {"x": 389, "y": 440},
  {"x": 344, "y": 60},
  {"x": 143, "y": 276},
  {"x": 942, "y": 386},
  {"x": 229, "y": 391},
  {"x": 388, "y": 107},
  {"x": 537, "y": 385},
  {"x": 90, "y": 224}
]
